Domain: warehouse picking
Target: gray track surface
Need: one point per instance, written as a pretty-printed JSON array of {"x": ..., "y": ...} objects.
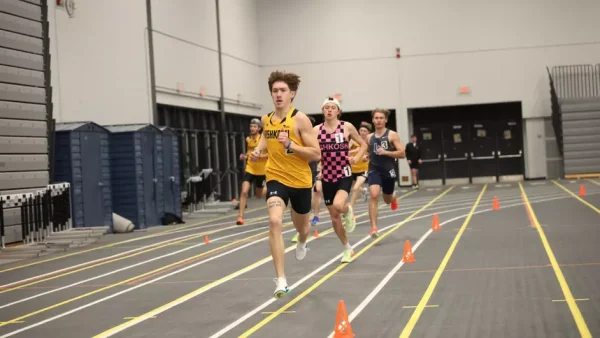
[{"x": 498, "y": 281}]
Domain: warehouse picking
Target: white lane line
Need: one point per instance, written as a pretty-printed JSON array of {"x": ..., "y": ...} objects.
[
  {"x": 389, "y": 276},
  {"x": 223, "y": 280},
  {"x": 217, "y": 239},
  {"x": 74, "y": 267},
  {"x": 110, "y": 257},
  {"x": 142, "y": 248},
  {"x": 408, "y": 203},
  {"x": 133, "y": 266},
  {"x": 270, "y": 301},
  {"x": 124, "y": 268}
]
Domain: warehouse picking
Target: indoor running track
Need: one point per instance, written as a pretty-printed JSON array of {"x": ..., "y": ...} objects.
[{"x": 537, "y": 259}]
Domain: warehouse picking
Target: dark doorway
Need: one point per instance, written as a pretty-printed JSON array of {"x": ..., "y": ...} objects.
[
  {"x": 470, "y": 143},
  {"x": 93, "y": 198}
]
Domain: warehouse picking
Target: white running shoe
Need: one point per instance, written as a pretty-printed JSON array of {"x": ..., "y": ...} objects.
[
  {"x": 281, "y": 288},
  {"x": 301, "y": 250},
  {"x": 349, "y": 220}
]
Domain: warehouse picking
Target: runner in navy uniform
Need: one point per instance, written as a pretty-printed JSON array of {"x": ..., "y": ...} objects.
[{"x": 384, "y": 148}]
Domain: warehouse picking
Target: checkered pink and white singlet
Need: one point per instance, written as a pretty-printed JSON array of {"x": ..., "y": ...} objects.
[{"x": 334, "y": 154}]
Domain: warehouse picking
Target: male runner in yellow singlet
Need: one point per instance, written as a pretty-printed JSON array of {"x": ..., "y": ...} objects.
[
  {"x": 361, "y": 168},
  {"x": 255, "y": 171},
  {"x": 291, "y": 142}
]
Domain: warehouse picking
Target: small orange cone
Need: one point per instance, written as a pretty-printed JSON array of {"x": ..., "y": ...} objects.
[
  {"x": 496, "y": 204},
  {"x": 342, "y": 328},
  {"x": 316, "y": 234},
  {"x": 206, "y": 240},
  {"x": 435, "y": 224},
  {"x": 581, "y": 191},
  {"x": 408, "y": 254}
]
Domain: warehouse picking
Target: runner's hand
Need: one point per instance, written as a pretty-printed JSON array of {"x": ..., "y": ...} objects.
[
  {"x": 255, "y": 155},
  {"x": 283, "y": 138},
  {"x": 242, "y": 157}
]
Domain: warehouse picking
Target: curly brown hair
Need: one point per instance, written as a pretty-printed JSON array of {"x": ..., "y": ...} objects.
[{"x": 291, "y": 79}]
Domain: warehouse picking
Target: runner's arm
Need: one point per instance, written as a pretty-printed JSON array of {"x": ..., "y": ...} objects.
[
  {"x": 355, "y": 137},
  {"x": 311, "y": 150},
  {"x": 395, "y": 140}
]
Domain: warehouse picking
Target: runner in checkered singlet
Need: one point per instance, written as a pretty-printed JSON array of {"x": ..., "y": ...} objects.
[{"x": 336, "y": 174}]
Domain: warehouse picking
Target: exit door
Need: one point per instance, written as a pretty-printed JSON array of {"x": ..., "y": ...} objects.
[
  {"x": 483, "y": 151},
  {"x": 429, "y": 138},
  {"x": 510, "y": 148},
  {"x": 456, "y": 151}
]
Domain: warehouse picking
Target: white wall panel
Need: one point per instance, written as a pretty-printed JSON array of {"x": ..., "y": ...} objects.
[
  {"x": 499, "y": 50},
  {"x": 186, "y": 57},
  {"x": 99, "y": 62}
]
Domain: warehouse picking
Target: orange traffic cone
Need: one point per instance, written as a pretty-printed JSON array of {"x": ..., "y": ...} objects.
[
  {"x": 316, "y": 234},
  {"x": 435, "y": 224},
  {"x": 342, "y": 328},
  {"x": 581, "y": 191},
  {"x": 408, "y": 254},
  {"x": 206, "y": 240},
  {"x": 496, "y": 204}
]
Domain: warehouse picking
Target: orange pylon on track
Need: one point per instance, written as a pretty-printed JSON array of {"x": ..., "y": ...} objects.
[
  {"x": 342, "y": 328},
  {"x": 408, "y": 256},
  {"x": 496, "y": 204},
  {"x": 206, "y": 240},
  {"x": 316, "y": 234},
  {"x": 581, "y": 191},
  {"x": 435, "y": 224}
]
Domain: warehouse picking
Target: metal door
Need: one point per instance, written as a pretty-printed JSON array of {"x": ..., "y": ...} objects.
[
  {"x": 456, "y": 151},
  {"x": 91, "y": 163},
  {"x": 429, "y": 138},
  {"x": 510, "y": 148},
  {"x": 151, "y": 212},
  {"x": 168, "y": 174},
  {"x": 484, "y": 163}
]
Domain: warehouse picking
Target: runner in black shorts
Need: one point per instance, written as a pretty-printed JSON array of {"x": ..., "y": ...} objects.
[
  {"x": 336, "y": 174},
  {"x": 361, "y": 168},
  {"x": 384, "y": 148},
  {"x": 291, "y": 143},
  {"x": 254, "y": 172},
  {"x": 317, "y": 190}
]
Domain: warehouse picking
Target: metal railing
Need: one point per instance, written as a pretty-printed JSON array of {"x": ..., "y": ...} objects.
[
  {"x": 41, "y": 213},
  {"x": 576, "y": 81},
  {"x": 556, "y": 114}
]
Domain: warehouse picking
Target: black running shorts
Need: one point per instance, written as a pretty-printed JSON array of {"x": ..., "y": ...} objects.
[
  {"x": 258, "y": 180},
  {"x": 330, "y": 189},
  {"x": 300, "y": 198},
  {"x": 386, "y": 183}
]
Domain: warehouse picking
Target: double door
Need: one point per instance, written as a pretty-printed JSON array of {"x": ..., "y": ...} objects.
[{"x": 471, "y": 151}]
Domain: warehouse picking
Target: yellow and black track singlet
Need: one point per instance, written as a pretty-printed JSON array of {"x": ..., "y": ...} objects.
[
  {"x": 283, "y": 165},
  {"x": 255, "y": 168},
  {"x": 360, "y": 166}
]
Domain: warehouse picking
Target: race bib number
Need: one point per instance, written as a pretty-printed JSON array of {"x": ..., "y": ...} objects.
[
  {"x": 347, "y": 172},
  {"x": 339, "y": 138},
  {"x": 392, "y": 173},
  {"x": 384, "y": 145}
]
